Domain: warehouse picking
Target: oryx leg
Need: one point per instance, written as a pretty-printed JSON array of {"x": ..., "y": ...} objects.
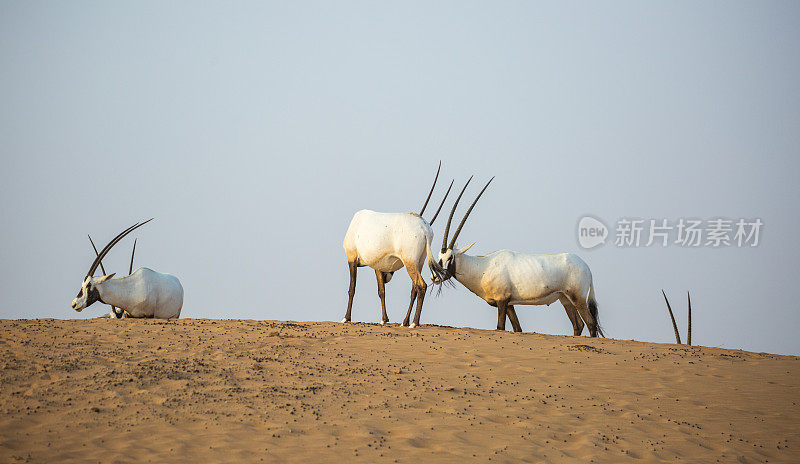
[
  {"x": 512, "y": 316},
  {"x": 410, "y": 305},
  {"x": 583, "y": 310},
  {"x": 502, "y": 312},
  {"x": 420, "y": 286},
  {"x": 382, "y": 295},
  {"x": 572, "y": 314},
  {"x": 352, "y": 292}
]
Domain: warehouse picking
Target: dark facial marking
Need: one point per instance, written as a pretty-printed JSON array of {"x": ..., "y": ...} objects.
[
  {"x": 92, "y": 295},
  {"x": 80, "y": 293},
  {"x": 450, "y": 271}
]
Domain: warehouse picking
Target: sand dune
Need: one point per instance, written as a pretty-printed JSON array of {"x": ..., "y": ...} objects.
[{"x": 249, "y": 391}]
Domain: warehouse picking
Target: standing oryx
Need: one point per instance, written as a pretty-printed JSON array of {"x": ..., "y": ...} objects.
[
  {"x": 386, "y": 242},
  {"x": 144, "y": 293},
  {"x": 506, "y": 278}
]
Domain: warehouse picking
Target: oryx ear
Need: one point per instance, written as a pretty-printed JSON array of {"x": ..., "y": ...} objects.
[
  {"x": 461, "y": 251},
  {"x": 104, "y": 278}
]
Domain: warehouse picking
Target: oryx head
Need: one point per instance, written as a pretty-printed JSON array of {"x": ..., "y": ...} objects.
[
  {"x": 444, "y": 266},
  {"x": 89, "y": 292}
]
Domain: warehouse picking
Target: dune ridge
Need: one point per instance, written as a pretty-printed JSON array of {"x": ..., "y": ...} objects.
[{"x": 248, "y": 391}]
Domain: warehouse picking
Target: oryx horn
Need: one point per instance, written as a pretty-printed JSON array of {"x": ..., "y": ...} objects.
[
  {"x": 442, "y": 203},
  {"x": 452, "y": 212},
  {"x": 425, "y": 205},
  {"x": 113, "y": 308},
  {"x": 130, "y": 269},
  {"x": 674, "y": 325},
  {"x": 97, "y": 254},
  {"x": 466, "y": 215},
  {"x": 689, "y": 334},
  {"x": 111, "y": 244}
]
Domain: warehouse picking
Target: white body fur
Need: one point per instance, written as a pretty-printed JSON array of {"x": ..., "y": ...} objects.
[
  {"x": 143, "y": 294},
  {"x": 528, "y": 279},
  {"x": 387, "y": 242},
  {"x": 525, "y": 279}
]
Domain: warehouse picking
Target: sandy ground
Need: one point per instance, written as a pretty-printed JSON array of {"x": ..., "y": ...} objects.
[{"x": 250, "y": 391}]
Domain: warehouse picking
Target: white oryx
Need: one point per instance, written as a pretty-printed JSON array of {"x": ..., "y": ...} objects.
[
  {"x": 144, "y": 293},
  {"x": 386, "y": 242},
  {"x": 507, "y": 278}
]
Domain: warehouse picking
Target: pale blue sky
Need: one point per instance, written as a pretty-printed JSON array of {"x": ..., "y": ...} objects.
[{"x": 253, "y": 131}]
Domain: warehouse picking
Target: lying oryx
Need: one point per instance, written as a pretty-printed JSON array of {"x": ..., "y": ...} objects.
[
  {"x": 506, "y": 278},
  {"x": 144, "y": 293},
  {"x": 386, "y": 242}
]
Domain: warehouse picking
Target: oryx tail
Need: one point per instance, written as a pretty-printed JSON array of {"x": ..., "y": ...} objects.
[{"x": 592, "y": 302}]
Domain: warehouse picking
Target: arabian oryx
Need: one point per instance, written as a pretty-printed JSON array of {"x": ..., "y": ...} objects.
[
  {"x": 144, "y": 293},
  {"x": 386, "y": 242},
  {"x": 506, "y": 278}
]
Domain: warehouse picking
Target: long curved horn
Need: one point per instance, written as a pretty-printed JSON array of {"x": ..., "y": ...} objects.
[
  {"x": 689, "y": 334},
  {"x": 97, "y": 254},
  {"x": 671, "y": 316},
  {"x": 113, "y": 308},
  {"x": 450, "y": 219},
  {"x": 111, "y": 244},
  {"x": 424, "y": 205},
  {"x": 458, "y": 231},
  {"x": 130, "y": 270},
  {"x": 442, "y": 203}
]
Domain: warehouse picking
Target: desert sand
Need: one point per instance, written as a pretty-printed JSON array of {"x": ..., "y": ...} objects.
[{"x": 249, "y": 391}]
